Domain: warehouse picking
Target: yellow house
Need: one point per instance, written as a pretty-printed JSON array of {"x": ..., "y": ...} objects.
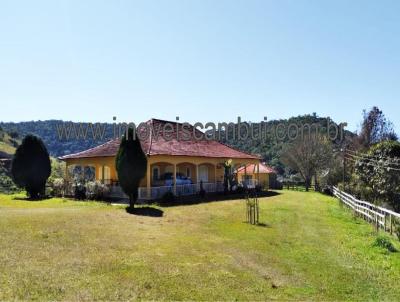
[
  {"x": 174, "y": 161},
  {"x": 260, "y": 174}
]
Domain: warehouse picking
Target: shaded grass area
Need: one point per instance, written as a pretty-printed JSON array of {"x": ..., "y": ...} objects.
[{"x": 308, "y": 247}]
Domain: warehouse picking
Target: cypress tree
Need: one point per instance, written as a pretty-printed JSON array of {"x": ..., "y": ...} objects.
[
  {"x": 131, "y": 166},
  {"x": 31, "y": 166}
]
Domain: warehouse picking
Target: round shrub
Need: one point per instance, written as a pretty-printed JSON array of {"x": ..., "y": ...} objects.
[
  {"x": 58, "y": 187},
  {"x": 95, "y": 190},
  {"x": 385, "y": 243},
  {"x": 79, "y": 191},
  {"x": 31, "y": 166}
]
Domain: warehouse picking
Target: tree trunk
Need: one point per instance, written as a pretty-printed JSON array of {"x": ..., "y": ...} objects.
[
  {"x": 316, "y": 185},
  {"x": 43, "y": 192},
  {"x": 307, "y": 184},
  {"x": 131, "y": 201},
  {"x": 32, "y": 194}
]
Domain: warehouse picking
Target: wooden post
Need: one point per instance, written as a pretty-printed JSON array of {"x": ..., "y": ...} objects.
[
  {"x": 254, "y": 213},
  {"x": 247, "y": 210},
  {"x": 391, "y": 224},
  {"x": 258, "y": 210},
  {"x": 258, "y": 174}
]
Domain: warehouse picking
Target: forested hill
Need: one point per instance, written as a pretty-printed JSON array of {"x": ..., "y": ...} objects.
[
  {"x": 268, "y": 147},
  {"x": 50, "y": 131},
  {"x": 279, "y": 133}
]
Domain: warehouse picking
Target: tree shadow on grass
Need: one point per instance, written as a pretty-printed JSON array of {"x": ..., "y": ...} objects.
[
  {"x": 260, "y": 224},
  {"x": 30, "y": 199},
  {"x": 212, "y": 197},
  {"x": 264, "y": 225},
  {"x": 145, "y": 211}
]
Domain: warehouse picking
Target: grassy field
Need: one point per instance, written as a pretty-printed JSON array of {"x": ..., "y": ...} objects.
[{"x": 309, "y": 248}]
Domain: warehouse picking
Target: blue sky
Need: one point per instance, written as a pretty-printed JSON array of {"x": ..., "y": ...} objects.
[{"x": 200, "y": 60}]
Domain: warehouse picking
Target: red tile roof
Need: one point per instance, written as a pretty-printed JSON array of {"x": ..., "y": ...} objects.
[
  {"x": 166, "y": 142},
  {"x": 251, "y": 168}
]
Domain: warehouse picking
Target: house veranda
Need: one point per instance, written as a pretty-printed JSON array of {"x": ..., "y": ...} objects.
[{"x": 172, "y": 165}]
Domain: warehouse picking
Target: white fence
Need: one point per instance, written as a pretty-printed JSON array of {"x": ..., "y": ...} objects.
[{"x": 380, "y": 217}]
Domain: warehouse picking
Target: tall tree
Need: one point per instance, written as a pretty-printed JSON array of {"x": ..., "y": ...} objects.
[
  {"x": 308, "y": 155},
  {"x": 378, "y": 172},
  {"x": 375, "y": 128},
  {"x": 31, "y": 166},
  {"x": 131, "y": 165}
]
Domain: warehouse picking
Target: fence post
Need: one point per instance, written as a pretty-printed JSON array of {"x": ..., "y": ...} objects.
[
  {"x": 258, "y": 209},
  {"x": 248, "y": 209},
  {"x": 391, "y": 224},
  {"x": 384, "y": 223},
  {"x": 254, "y": 214}
]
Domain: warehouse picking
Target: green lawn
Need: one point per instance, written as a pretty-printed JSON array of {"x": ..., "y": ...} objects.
[{"x": 308, "y": 249}]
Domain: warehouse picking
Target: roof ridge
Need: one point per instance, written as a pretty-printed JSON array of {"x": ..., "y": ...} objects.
[
  {"x": 237, "y": 149},
  {"x": 261, "y": 164},
  {"x": 153, "y": 146},
  {"x": 177, "y": 124},
  {"x": 151, "y": 137},
  {"x": 90, "y": 149}
]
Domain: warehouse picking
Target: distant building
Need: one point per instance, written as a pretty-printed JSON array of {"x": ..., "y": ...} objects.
[{"x": 262, "y": 173}]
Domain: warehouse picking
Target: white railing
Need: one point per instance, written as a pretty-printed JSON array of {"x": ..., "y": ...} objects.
[
  {"x": 381, "y": 217},
  {"x": 157, "y": 192},
  {"x": 181, "y": 190},
  {"x": 189, "y": 189},
  {"x": 250, "y": 183},
  {"x": 209, "y": 187}
]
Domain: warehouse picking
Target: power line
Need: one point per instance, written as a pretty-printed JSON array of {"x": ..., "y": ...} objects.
[
  {"x": 395, "y": 160},
  {"x": 373, "y": 160},
  {"x": 375, "y": 156},
  {"x": 374, "y": 164},
  {"x": 370, "y": 159}
]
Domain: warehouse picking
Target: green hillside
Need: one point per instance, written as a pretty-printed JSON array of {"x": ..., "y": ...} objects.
[
  {"x": 9, "y": 141},
  {"x": 48, "y": 131},
  {"x": 279, "y": 133}
]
